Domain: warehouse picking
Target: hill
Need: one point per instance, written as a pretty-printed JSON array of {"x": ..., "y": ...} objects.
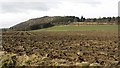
[{"x": 44, "y": 22}]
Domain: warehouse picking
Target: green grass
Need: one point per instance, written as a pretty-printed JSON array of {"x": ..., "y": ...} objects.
[{"x": 79, "y": 28}]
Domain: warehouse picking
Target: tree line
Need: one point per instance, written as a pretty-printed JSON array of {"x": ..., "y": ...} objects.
[{"x": 115, "y": 20}]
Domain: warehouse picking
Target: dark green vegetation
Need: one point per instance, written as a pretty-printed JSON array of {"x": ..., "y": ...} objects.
[
  {"x": 46, "y": 21},
  {"x": 61, "y": 48}
]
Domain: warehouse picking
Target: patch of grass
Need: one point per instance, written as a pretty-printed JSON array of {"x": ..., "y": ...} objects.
[
  {"x": 80, "y": 28},
  {"x": 7, "y": 60}
]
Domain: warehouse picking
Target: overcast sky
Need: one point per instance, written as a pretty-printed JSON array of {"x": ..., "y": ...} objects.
[{"x": 15, "y": 11}]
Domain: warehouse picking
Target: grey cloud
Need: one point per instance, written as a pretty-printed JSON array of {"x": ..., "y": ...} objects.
[
  {"x": 25, "y": 6},
  {"x": 29, "y": 0},
  {"x": 40, "y": 5}
]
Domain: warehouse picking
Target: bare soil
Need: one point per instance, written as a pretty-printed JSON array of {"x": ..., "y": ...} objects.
[{"x": 64, "y": 47}]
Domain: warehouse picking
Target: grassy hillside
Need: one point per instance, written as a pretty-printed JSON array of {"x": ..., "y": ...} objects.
[
  {"x": 79, "y": 27},
  {"x": 44, "y": 22}
]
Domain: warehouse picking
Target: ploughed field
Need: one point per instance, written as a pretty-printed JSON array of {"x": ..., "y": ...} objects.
[{"x": 62, "y": 48}]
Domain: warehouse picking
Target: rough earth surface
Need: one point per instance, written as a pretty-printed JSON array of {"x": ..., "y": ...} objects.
[{"x": 63, "y": 48}]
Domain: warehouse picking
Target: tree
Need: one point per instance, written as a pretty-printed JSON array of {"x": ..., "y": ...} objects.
[
  {"x": 94, "y": 19},
  {"x": 82, "y": 19},
  {"x": 76, "y": 19}
]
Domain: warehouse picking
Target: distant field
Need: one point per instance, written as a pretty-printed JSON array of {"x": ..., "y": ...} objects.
[{"x": 79, "y": 28}]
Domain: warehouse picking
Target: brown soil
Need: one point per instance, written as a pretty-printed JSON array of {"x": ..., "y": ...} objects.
[{"x": 64, "y": 47}]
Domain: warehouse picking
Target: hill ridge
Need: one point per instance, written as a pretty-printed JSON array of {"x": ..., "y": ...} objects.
[{"x": 44, "y": 22}]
